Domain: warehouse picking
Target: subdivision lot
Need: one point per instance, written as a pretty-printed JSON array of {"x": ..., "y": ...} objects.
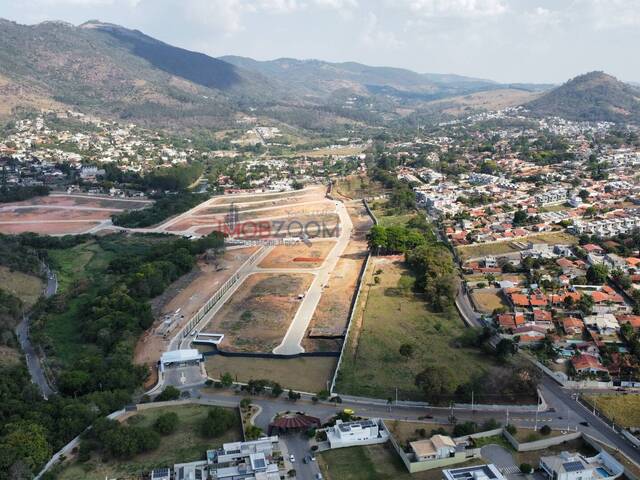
[
  {"x": 259, "y": 313},
  {"x": 623, "y": 409},
  {"x": 249, "y": 203},
  {"x": 306, "y": 374},
  {"x": 488, "y": 299},
  {"x": 389, "y": 316},
  {"x": 27, "y": 288},
  {"x": 500, "y": 248},
  {"x": 373, "y": 462},
  {"x": 358, "y": 186},
  {"x": 61, "y": 214},
  {"x": 182, "y": 300},
  {"x": 332, "y": 312},
  {"x": 299, "y": 255},
  {"x": 253, "y": 197},
  {"x": 184, "y": 445}
]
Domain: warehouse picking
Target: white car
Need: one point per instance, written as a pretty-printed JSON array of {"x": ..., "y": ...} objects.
[{"x": 292, "y": 459}]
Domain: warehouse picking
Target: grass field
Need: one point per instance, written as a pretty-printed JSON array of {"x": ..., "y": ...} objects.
[
  {"x": 500, "y": 248},
  {"x": 372, "y": 365},
  {"x": 623, "y": 409},
  {"x": 484, "y": 249},
  {"x": 74, "y": 263},
  {"x": 374, "y": 462},
  {"x": 27, "y": 288},
  {"x": 184, "y": 445},
  {"x": 357, "y": 186},
  {"x": 304, "y": 374}
]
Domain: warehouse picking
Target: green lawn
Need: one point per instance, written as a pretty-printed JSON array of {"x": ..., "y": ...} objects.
[
  {"x": 372, "y": 365},
  {"x": 374, "y": 462},
  {"x": 185, "y": 445}
]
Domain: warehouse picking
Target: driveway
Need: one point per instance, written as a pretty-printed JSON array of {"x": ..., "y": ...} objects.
[
  {"x": 501, "y": 458},
  {"x": 183, "y": 376}
]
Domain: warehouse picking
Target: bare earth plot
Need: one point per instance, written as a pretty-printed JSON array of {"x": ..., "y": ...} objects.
[
  {"x": 488, "y": 299},
  {"x": 259, "y": 313},
  {"x": 249, "y": 203},
  {"x": 62, "y": 214},
  {"x": 298, "y": 256},
  {"x": 187, "y": 295},
  {"x": 332, "y": 313}
]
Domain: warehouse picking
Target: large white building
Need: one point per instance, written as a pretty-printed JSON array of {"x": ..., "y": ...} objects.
[
  {"x": 476, "y": 472},
  {"x": 573, "y": 466},
  {"x": 361, "y": 432}
]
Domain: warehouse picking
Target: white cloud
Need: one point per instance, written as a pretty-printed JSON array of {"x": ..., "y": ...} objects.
[
  {"x": 606, "y": 14},
  {"x": 374, "y": 36},
  {"x": 457, "y": 8}
]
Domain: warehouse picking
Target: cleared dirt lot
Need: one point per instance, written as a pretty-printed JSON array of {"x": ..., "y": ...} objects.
[
  {"x": 249, "y": 203},
  {"x": 308, "y": 374},
  {"x": 258, "y": 314},
  {"x": 188, "y": 294},
  {"x": 332, "y": 313},
  {"x": 488, "y": 299},
  {"x": 61, "y": 214},
  {"x": 47, "y": 228},
  {"x": 299, "y": 255}
]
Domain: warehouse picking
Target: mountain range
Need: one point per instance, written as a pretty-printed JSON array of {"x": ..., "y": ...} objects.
[{"x": 111, "y": 70}]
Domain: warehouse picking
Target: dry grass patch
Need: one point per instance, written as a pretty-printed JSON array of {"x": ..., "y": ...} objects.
[
  {"x": 488, "y": 300},
  {"x": 27, "y": 288},
  {"x": 623, "y": 409},
  {"x": 307, "y": 374}
]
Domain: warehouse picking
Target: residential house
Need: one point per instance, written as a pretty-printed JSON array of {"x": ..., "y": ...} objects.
[
  {"x": 587, "y": 364},
  {"x": 476, "y": 472},
  {"x": 434, "y": 448},
  {"x": 361, "y": 432},
  {"x": 605, "y": 324},
  {"x": 573, "y": 466},
  {"x": 572, "y": 325}
]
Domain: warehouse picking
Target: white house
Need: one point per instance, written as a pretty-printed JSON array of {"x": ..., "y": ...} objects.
[
  {"x": 476, "y": 472},
  {"x": 605, "y": 323},
  {"x": 361, "y": 432},
  {"x": 573, "y": 466}
]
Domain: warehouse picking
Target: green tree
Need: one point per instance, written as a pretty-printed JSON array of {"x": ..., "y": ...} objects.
[
  {"x": 217, "y": 422},
  {"x": 169, "y": 393},
  {"x": 25, "y": 442},
  {"x": 166, "y": 423},
  {"x": 226, "y": 380},
  {"x": 597, "y": 274}
]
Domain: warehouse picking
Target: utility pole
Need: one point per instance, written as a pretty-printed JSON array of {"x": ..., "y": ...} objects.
[
  {"x": 472, "y": 408},
  {"x": 396, "y": 395},
  {"x": 535, "y": 427},
  {"x": 507, "y": 417}
]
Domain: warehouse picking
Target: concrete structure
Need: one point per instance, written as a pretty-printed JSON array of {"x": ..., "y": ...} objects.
[
  {"x": 161, "y": 474},
  {"x": 568, "y": 466},
  {"x": 476, "y": 472},
  {"x": 605, "y": 323},
  {"x": 361, "y": 432},
  {"x": 552, "y": 196},
  {"x": 180, "y": 358}
]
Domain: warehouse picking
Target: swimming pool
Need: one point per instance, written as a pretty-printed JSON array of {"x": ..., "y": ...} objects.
[{"x": 602, "y": 472}]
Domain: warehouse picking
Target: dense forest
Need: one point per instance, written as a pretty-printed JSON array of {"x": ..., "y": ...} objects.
[
  {"x": 107, "y": 308},
  {"x": 18, "y": 194}
]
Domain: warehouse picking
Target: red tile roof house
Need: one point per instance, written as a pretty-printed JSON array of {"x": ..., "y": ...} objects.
[
  {"x": 530, "y": 335},
  {"x": 572, "y": 325},
  {"x": 510, "y": 321},
  {"x": 587, "y": 364},
  {"x": 633, "y": 320},
  {"x": 519, "y": 300},
  {"x": 591, "y": 248}
]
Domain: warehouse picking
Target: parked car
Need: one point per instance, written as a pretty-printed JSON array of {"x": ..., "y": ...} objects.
[
  {"x": 319, "y": 476},
  {"x": 292, "y": 459}
]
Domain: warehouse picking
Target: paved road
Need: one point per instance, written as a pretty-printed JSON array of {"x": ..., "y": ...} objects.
[
  {"x": 467, "y": 312},
  {"x": 501, "y": 458},
  {"x": 292, "y": 342},
  {"x": 33, "y": 360}
]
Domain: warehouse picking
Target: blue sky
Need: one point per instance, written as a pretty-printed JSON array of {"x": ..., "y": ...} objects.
[{"x": 503, "y": 40}]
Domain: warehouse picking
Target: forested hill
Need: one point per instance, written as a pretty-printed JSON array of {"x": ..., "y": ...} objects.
[{"x": 594, "y": 96}]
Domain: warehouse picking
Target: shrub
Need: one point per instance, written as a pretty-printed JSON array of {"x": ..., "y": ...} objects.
[
  {"x": 245, "y": 402},
  {"x": 169, "y": 393},
  {"x": 217, "y": 422},
  {"x": 166, "y": 423},
  {"x": 525, "y": 468},
  {"x": 511, "y": 429},
  {"x": 545, "y": 430},
  {"x": 323, "y": 394}
]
